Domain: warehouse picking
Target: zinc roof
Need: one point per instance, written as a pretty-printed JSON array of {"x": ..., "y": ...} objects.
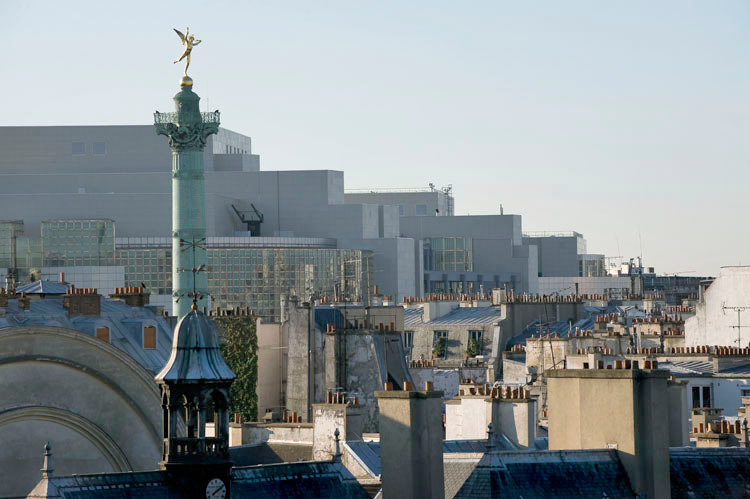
[
  {"x": 462, "y": 316},
  {"x": 43, "y": 287},
  {"x": 125, "y": 325}
]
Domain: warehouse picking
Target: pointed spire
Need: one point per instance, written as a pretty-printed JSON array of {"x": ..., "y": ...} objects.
[{"x": 47, "y": 468}]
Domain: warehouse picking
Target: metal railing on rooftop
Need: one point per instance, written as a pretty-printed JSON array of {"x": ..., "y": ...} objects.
[
  {"x": 545, "y": 233},
  {"x": 394, "y": 190}
]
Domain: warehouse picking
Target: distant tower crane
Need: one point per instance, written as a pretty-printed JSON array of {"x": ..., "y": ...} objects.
[{"x": 253, "y": 224}]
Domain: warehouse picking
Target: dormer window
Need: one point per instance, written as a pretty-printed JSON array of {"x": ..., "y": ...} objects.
[
  {"x": 103, "y": 333},
  {"x": 149, "y": 337}
]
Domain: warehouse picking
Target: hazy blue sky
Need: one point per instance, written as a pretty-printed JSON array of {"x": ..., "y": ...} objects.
[{"x": 626, "y": 121}]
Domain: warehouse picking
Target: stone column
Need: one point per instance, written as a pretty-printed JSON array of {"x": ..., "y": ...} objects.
[{"x": 187, "y": 130}]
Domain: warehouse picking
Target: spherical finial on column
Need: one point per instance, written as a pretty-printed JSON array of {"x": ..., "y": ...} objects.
[
  {"x": 47, "y": 468},
  {"x": 186, "y": 82}
]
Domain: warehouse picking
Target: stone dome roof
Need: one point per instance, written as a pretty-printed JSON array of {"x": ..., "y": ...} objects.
[{"x": 196, "y": 355}]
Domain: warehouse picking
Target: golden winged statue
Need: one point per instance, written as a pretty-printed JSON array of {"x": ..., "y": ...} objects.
[{"x": 189, "y": 42}]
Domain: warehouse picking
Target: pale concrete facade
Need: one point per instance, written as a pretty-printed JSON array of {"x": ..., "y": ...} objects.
[
  {"x": 557, "y": 254},
  {"x": 467, "y": 418},
  {"x": 123, "y": 173},
  {"x": 498, "y": 256},
  {"x": 411, "y": 443},
  {"x": 411, "y": 203},
  {"x": 272, "y": 359},
  {"x": 716, "y": 314},
  {"x": 619, "y": 408}
]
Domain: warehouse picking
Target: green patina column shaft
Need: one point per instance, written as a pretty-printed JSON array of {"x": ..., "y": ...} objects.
[{"x": 187, "y": 130}]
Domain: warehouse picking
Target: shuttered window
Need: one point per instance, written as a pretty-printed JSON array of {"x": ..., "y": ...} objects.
[
  {"x": 149, "y": 337},
  {"x": 103, "y": 333}
]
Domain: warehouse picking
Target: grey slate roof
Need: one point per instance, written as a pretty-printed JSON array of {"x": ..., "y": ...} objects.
[
  {"x": 562, "y": 328},
  {"x": 125, "y": 325},
  {"x": 270, "y": 453},
  {"x": 708, "y": 473},
  {"x": 148, "y": 484},
  {"x": 296, "y": 480},
  {"x": 368, "y": 453},
  {"x": 320, "y": 480},
  {"x": 530, "y": 474}
]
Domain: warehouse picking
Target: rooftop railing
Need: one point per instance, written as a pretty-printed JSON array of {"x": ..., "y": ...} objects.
[
  {"x": 160, "y": 118},
  {"x": 387, "y": 190},
  {"x": 544, "y": 233}
]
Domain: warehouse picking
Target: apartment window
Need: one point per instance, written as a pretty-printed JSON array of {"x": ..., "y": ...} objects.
[
  {"x": 701, "y": 396},
  {"x": 421, "y": 210},
  {"x": 746, "y": 392},
  {"x": 103, "y": 333},
  {"x": 78, "y": 148},
  {"x": 440, "y": 344},
  {"x": 149, "y": 337},
  {"x": 475, "y": 338},
  {"x": 408, "y": 339},
  {"x": 100, "y": 148},
  {"x": 401, "y": 210}
]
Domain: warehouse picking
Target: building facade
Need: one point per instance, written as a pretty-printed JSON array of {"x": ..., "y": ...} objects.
[{"x": 55, "y": 180}]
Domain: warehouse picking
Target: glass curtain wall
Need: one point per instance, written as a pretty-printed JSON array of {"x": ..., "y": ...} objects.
[
  {"x": 448, "y": 254},
  {"x": 78, "y": 243},
  {"x": 258, "y": 277}
]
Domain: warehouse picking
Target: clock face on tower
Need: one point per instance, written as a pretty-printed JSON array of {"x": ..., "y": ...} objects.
[{"x": 216, "y": 489}]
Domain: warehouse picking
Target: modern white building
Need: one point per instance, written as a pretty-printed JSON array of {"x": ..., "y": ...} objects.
[
  {"x": 101, "y": 196},
  {"x": 722, "y": 314}
]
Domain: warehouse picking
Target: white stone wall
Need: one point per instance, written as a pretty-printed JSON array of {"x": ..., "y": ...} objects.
[{"x": 712, "y": 324}]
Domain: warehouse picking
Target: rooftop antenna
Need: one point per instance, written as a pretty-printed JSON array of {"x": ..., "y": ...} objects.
[
  {"x": 192, "y": 245},
  {"x": 739, "y": 325},
  {"x": 640, "y": 243}
]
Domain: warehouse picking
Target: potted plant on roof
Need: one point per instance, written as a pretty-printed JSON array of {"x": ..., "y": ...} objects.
[
  {"x": 439, "y": 348},
  {"x": 472, "y": 348}
]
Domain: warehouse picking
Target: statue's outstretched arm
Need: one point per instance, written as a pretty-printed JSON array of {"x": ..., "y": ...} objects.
[{"x": 196, "y": 42}]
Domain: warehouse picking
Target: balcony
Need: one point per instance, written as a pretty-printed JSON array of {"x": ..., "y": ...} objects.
[
  {"x": 163, "y": 118},
  {"x": 189, "y": 449}
]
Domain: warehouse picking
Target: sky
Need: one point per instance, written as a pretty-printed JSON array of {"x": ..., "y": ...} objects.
[{"x": 625, "y": 121}]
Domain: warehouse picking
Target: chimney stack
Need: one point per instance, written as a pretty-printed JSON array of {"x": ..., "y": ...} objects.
[
  {"x": 624, "y": 409},
  {"x": 411, "y": 443},
  {"x": 132, "y": 296},
  {"x": 337, "y": 413},
  {"x": 83, "y": 301}
]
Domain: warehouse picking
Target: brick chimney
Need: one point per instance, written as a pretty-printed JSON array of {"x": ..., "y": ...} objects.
[
  {"x": 82, "y": 301},
  {"x": 336, "y": 413},
  {"x": 4, "y": 296},
  {"x": 132, "y": 296},
  {"x": 624, "y": 409},
  {"x": 411, "y": 443}
]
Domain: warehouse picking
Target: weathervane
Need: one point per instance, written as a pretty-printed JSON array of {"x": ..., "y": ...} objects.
[
  {"x": 189, "y": 42},
  {"x": 184, "y": 245}
]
